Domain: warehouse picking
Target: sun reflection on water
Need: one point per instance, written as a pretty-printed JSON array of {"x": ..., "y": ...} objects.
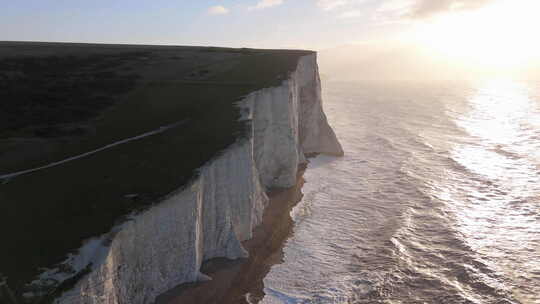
[
  {"x": 436, "y": 200},
  {"x": 497, "y": 110},
  {"x": 495, "y": 210}
]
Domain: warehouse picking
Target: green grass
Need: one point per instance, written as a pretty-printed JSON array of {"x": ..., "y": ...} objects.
[
  {"x": 41, "y": 93},
  {"x": 46, "y": 214}
]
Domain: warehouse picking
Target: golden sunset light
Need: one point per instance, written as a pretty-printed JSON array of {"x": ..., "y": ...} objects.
[
  {"x": 500, "y": 35},
  {"x": 270, "y": 152}
]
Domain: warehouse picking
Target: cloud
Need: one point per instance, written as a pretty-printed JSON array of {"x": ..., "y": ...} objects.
[
  {"x": 426, "y": 8},
  {"x": 392, "y": 11},
  {"x": 351, "y": 14},
  {"x": 218, "y": 10},
  {"x": 331, "y": 4},
  {"x": 266, "y": 4}
]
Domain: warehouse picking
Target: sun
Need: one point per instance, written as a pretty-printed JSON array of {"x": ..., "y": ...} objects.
[{"x": 501, "y": 35}]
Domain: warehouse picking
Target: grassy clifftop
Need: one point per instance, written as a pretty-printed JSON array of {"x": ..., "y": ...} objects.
[{"x": 61, "y": 100}]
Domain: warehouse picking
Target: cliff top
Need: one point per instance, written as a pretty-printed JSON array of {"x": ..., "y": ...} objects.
[{"x": 116, "y": 127}]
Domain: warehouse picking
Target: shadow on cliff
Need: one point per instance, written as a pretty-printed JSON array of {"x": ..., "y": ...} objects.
[{"x": 233, "y": 280}]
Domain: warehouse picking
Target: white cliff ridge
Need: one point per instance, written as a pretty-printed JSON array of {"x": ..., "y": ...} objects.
[{"x": 166, "y": 245}]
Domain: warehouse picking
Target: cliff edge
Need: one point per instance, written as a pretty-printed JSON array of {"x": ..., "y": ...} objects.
[{"x": 154, "y": 249}]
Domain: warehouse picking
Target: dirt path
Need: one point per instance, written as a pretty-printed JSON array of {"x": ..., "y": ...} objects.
[{"x": 86, "y": 154}]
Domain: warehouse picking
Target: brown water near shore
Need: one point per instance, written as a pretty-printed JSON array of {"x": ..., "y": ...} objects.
[{"x": 232, "y": 281}]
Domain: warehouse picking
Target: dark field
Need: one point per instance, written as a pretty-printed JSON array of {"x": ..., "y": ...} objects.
[
  {"x": 61, "y": 100},
  {"x": 42, "y": 94}
]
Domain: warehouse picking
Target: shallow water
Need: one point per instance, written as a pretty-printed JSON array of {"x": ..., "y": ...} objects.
[{"x": 436, "y": 201}]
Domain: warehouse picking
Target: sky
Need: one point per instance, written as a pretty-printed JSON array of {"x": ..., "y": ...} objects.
[
  {"x": 422, "y": 37},
  {"x": 311, "y": 24}
]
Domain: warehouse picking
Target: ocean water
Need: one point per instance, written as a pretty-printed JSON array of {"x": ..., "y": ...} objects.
[{"x": 436, "y": 201}]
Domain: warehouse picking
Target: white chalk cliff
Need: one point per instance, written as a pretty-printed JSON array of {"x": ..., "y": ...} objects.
[{"x": 166, "y": 245}]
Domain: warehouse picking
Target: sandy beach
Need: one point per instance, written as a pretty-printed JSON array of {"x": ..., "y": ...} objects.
[{"x": 236, "y": 281}]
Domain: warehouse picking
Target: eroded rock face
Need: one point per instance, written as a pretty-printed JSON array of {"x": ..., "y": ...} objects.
[
  {"x": 289, "y": 122},
  {"x": 166, "y": 245},
  {"x": 316, "y": 135}
]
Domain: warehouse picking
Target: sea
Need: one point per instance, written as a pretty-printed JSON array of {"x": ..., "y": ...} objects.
[{"x": 437, "y": 199}]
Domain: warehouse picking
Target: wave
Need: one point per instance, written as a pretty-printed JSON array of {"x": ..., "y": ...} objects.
[{"x": 405, "y": 218}]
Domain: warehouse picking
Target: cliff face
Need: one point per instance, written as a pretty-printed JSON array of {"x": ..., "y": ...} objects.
[{"x": 166, "y": 245}]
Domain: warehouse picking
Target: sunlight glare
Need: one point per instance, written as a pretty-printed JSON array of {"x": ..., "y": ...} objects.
[{"x": 501, "y": 35}]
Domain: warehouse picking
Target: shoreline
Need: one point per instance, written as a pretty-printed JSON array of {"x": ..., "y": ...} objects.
[{"x": 233, "y": 280}]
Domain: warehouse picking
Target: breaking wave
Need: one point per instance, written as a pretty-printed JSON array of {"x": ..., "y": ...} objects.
[{"x": 436, "y": 201}]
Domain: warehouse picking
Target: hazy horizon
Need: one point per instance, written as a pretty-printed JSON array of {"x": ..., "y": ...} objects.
[
  {"x": 134, "y": 174},
  {"x": 404, "y": 62},
  {"x": 394, "y": 39}
]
